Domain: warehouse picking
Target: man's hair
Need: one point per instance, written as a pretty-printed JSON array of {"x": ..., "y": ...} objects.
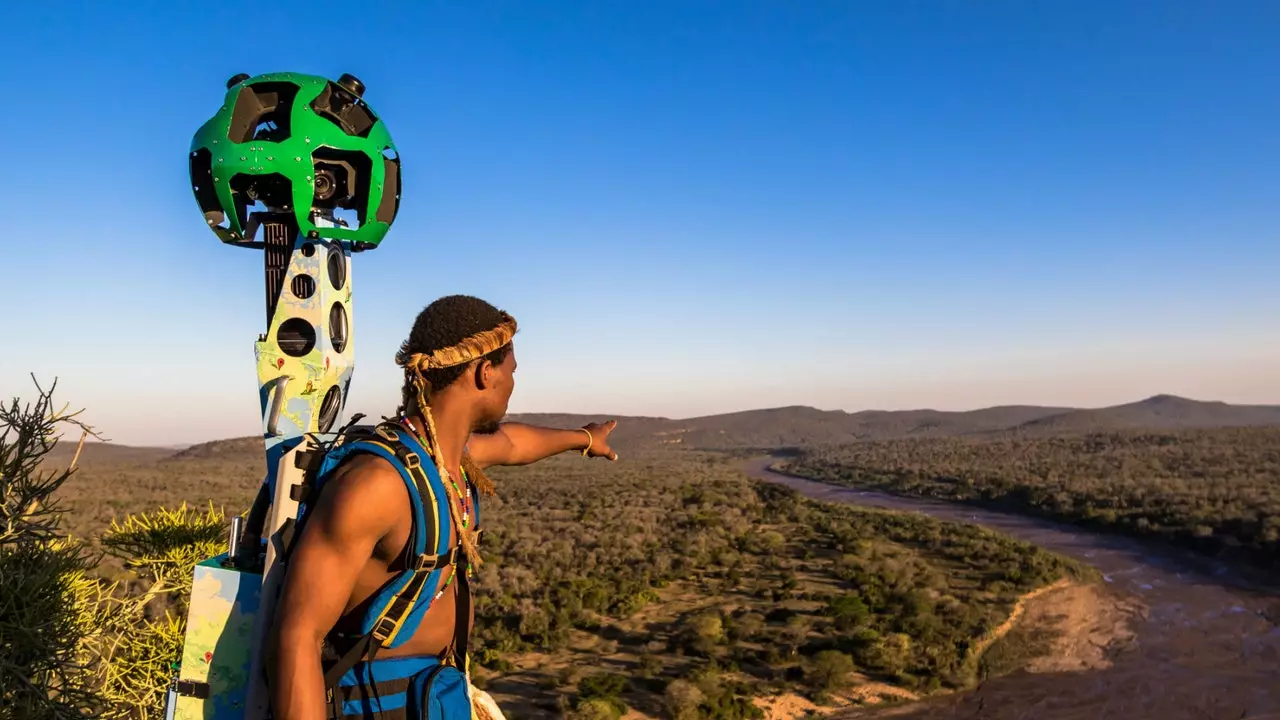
[{"x": 444, "y": 324}]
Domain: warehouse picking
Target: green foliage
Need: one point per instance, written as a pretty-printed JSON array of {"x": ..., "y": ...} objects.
[
  {"x": 570, "y": 543},
  {"x": 138, "y": 664},
  {"x": 598, "y": 709},
  {"x": 601, "y": 692},
  {"x": 722, "y": 698},
  {"x": 683, "y": 700},
  {"x": 602, "y": 685},
  {"x": 746, "y": 627},
  {"x": 638, "y": 560},
  {"x": 47, "y": 630},
  {"x": 829, "y": 671},
  {"x": 71, "y": 644},
  {"x": 165, "y": 545},
  {"x": 847, "y": 611},
  {"x": 704, "y": 632},
  {"x": 630, "y": 605},
  {"x": 1211, "y": 490},
  {"x": 47, "y": 618}
]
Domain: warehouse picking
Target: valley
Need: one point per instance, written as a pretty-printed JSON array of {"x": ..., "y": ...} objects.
[
  {"x": 1205, "y": 639},
  {"x": 674, "y": 584}
]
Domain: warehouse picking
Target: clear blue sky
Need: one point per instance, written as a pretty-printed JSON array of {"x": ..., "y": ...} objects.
[{"x": 690, "y": 207}]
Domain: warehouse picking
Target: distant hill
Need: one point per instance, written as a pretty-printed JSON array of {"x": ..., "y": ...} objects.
[
  {"x": 798, "y": 426},
  {"x": 103, "y": 453},
  {"x": 794, "y": 426},
  {"x": 1159, "y": 412},
  {"x": 220, "y": 449},
  {"x": 801, "y": 426}
]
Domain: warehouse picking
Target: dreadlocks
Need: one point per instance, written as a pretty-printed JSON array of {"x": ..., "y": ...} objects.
[{"x": 447, "y": 336}]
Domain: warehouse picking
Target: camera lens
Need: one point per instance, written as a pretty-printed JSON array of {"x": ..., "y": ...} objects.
[{"x": 326, "y": 184}]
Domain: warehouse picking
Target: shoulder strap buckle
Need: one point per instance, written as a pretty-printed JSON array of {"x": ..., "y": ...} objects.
[
  {"x": 434, "y": 562},
  {"x": 383, "y": 630}
]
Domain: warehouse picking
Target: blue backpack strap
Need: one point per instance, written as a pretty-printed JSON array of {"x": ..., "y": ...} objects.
[
  {"x": 396, "y": 609},
  {"x": 431, "y": 555}
]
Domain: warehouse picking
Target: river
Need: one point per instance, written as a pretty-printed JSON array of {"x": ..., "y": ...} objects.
[{"x": 1206, "y": 647}]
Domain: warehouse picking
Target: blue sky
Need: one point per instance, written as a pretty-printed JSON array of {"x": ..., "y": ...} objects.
[{"x": 690, "y": 207}]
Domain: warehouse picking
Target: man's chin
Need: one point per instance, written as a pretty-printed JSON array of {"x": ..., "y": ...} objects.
[{"x": 488, "y": 428}]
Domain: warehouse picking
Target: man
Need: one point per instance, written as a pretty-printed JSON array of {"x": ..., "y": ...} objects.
[{"x": 459, "y": 374}]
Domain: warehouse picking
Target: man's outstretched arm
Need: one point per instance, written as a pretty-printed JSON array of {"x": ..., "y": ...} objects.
[
  {"x": 352, "y": 515},
  {"x": 521, "y": 444}
]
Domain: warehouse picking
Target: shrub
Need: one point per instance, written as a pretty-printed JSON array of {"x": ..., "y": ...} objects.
[
  {"x": 597, "y": 709},
  {"x": 829, "y": 671},
  {"x": 72, "y": 645},
  {"x": 683, "y": 700},
  {"x": 163, "y": 546},
  {"x": 48, "y": 618}
]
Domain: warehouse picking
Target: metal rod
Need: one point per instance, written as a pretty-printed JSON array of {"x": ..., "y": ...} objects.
[
  {"x": 277, "y": 404},
  {"x": 251, "y": 538},
  {"x": 233, "y": 544}
]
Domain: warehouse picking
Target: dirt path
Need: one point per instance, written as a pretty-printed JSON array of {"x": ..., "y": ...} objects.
[
  {"x": 979, "y": 647},
  {"x": 1204, "y": 644}
]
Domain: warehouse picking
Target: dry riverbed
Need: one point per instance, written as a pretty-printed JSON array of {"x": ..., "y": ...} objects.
[{"x": 1170, "y": 636}]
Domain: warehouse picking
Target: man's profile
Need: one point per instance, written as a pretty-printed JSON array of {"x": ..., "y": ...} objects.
[{"x": 459, "y": 365}]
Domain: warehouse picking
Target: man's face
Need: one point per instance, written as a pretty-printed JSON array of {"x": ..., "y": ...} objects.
[{"x": 496, "y": 394}]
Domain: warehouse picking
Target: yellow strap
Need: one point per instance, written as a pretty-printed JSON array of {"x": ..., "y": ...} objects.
[{"x": 430, "y": 510}]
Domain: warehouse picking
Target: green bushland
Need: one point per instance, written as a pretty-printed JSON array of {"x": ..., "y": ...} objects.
[
  {"x": 772, "y": 590},
  {"x": 1211, "y": 490},
  {"x": 697, "y": 586}
]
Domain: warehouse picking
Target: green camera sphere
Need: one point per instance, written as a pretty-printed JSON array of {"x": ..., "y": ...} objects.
[{"x": 298, "y": 144}]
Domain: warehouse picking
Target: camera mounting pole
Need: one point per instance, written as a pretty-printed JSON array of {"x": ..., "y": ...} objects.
[{"x": 301, "y": 168}]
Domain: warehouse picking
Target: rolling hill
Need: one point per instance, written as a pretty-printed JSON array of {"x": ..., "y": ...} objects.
[
  {"x": 803, "y": 426},
  {"x": 1161, "y": 412},
  {"x": 107, "y": 452},
  {"x": 797, "y": 426}
]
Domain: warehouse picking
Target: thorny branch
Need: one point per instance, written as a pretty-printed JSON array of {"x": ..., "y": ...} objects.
[{"x": 27, "y": 435}]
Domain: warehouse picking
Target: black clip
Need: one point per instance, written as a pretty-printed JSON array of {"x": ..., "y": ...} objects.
[
  {"x": 192, "y": 688},
  {"x": 383, "y": 629}
]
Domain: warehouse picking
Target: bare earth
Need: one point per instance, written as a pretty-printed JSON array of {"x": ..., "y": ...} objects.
[
  {"x": 1093, "y": 624},
  {"x": 1176, "y": 636}
]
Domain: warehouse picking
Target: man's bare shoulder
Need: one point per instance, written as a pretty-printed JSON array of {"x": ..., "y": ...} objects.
[{"x": 365, "y": 486}]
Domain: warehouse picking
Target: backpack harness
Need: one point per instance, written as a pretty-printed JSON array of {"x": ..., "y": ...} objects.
[{"x": 393, "y": 612}]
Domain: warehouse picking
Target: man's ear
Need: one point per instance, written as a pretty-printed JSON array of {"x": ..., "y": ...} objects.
[{"x": 485, "y": 374}]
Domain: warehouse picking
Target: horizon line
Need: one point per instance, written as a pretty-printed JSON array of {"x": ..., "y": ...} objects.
[{"x": 1063, "y": 408}]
